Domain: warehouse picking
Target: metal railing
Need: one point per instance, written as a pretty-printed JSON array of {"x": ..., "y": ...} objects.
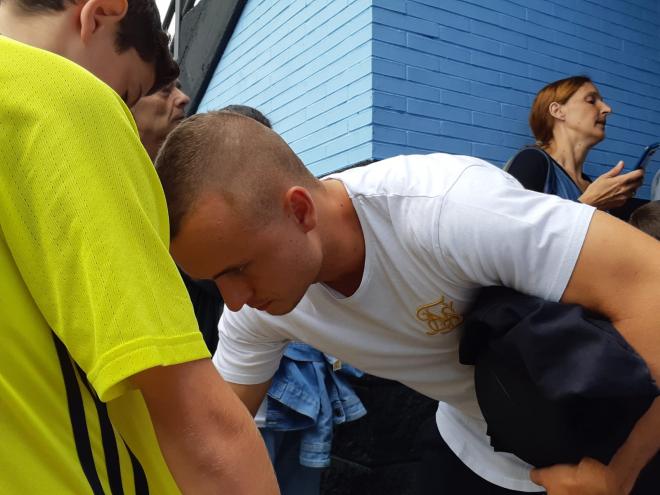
[{"x": 175, "y": 11}]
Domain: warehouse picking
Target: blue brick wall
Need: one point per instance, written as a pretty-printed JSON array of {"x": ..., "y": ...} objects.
[
  {"x": 307, "y": 66},
  {"x": 460, "y": 75},
  {"x": 346, "y": 80}
]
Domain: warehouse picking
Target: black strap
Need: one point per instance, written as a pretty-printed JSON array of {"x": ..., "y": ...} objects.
[
  {"x": 108, "y": 438},
  {"x": 78, "y": 421}
]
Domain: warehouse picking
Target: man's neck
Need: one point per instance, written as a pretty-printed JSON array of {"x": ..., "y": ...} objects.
[
  {"x": 45, "y": 31},
  {"x": 343, "y": 240}
]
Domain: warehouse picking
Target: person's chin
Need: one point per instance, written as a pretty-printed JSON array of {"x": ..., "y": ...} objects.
[
  {"x": 276, "y": 310},
  {"x": 280, "y": 308}
]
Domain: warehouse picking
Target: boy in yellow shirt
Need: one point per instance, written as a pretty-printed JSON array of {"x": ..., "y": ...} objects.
[{"x": 106, "y": 382}]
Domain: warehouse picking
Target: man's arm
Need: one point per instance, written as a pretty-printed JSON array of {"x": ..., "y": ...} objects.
[
  {"x": 617, "y": 274},
  {"x": 207, "y": 437},
  {"x": 590, "y": 477},
  {"x": 251, "y": 395}
]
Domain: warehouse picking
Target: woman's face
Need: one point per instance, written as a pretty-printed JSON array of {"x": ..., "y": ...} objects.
[{"x": 585, "y": 113}]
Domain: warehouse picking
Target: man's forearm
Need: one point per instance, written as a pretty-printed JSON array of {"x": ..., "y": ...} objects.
[
  {"x": 251, "y": 395},
  {"x": 643, "y": 442},
  {"x": 207, "y": 437},
  {"x": 639, "y": 448},
  {"x": 217, "y": 462}
]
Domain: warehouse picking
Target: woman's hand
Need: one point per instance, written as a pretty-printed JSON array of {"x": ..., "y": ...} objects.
[
  {"x": 612, "y": 189},
  {"x": 589, "y": 477}
]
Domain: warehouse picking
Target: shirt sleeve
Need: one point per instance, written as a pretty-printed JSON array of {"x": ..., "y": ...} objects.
[
  {"x": 249, "y": 349},
  {"x": 85, "y": 220},
  {"x": 655, "y": 187},
  {"x": 491, "y": 231},
  {"x": 530, "y": 168}
]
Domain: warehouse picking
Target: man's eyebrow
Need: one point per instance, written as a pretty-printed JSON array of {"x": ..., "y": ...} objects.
[{"x": 227, "y": 270}]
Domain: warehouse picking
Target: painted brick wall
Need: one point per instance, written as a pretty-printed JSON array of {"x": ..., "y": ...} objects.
[
  {"x": 307, "y": 66},
  {"x": 346, "y": 80},
  {"x": 460, "y": 75}
]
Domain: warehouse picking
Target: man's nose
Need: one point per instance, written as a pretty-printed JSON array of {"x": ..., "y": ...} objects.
[{"x": 235, "y": 293}]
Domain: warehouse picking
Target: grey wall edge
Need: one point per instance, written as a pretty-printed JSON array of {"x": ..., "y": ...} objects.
[{"x": 205, "y": 31}]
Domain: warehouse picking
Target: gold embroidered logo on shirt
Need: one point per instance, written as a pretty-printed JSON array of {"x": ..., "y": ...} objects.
[{"x": 440, "y": 316}]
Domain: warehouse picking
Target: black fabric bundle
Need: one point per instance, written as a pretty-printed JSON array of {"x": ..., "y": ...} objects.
[{"x": 555, "y": 382}]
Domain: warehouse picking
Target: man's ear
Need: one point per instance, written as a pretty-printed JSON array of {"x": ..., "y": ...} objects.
[
  {"x": 98, "y": 13},
  {"x": 300, "y": 206},
  {"x": 557, "y": 110}
]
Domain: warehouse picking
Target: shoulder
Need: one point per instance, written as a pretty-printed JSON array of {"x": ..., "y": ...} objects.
[
  {"x": 480, "y": 181},
  {"x": 408, "y": 175},
  {"x": 527, "y": 157},
  {"x": 59, "y": 89},
  {"x": 530, "y": 168}
]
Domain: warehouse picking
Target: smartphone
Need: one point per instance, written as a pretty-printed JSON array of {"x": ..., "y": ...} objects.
[{"x": 647, "y": 155}]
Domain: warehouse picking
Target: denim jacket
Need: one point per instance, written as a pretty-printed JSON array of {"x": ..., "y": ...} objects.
[{"x": 309, "y": 393}]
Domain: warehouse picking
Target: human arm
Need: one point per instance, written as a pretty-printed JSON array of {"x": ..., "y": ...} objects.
[
  {"x": 251, "y": 395},
  {"x": 207, "y": 437},
  {"x": 530, "y": 168},
  {"x": 591, "y": 477},
  {"x": 493, "y": 233},
  {"x": 617, "y": 274},
  {"x": 612, "y": 189},
  {"x": 247, "y": 358}
]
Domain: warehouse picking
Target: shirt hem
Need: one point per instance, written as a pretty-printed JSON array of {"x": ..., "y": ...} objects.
[{"x": 109, "y": 376}]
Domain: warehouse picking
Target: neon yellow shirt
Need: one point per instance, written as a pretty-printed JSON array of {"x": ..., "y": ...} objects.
[{"x": 84, "y": 256}]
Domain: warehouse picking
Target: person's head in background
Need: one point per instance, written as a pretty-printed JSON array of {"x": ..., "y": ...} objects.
[
  {"x": 247, "y": 111},
  {"x": 158, "y": 114},
  {"x": 569, "y": 112},
  {"x": 647, "y": 219},
  {"x": 119, "y": 41}
]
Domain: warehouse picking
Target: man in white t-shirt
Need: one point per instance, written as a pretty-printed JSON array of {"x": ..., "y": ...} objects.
[{"x": 377, "y": 265}]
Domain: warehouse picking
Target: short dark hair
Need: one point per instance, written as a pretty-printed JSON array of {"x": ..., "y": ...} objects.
[
  {"x": 140, "y": 28},
  {"x": 201, "y": 154},
  {"x": 647, "y": 219},
  {"x": 251, "y": 112}
]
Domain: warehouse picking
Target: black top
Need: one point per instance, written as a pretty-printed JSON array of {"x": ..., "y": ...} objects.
[
  {"x": 207, "y": 302},
  {"x": 530, "y": 167}
]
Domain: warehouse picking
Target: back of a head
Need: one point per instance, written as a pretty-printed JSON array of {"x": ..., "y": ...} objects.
[
  {"x": 231, "y": 155},
  {"x": 647, "y": 219},
  {"x": 540, "y": 120},
  {"x": 140, "y": 29},
  {"x": 251, "y": 112}
]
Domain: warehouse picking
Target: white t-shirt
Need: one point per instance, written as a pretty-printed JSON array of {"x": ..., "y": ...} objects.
[{"x": 436, "y": 229}]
